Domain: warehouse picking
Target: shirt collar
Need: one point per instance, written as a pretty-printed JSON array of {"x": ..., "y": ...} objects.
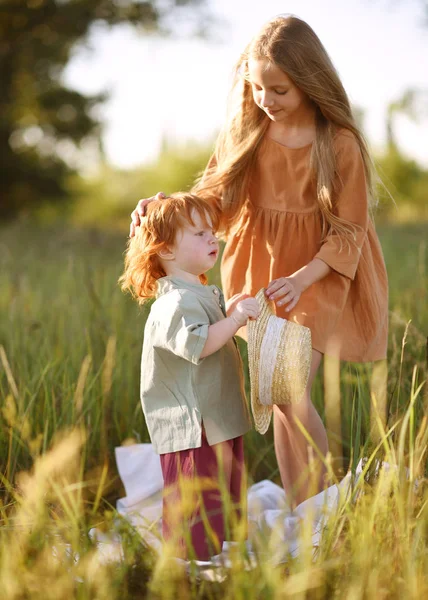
[{"x": 166, "y": 284}]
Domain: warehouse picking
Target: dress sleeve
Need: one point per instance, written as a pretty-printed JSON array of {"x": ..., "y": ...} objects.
[
  {"x": 188, "y": 326},
  {"x": 351, "y": 205}
]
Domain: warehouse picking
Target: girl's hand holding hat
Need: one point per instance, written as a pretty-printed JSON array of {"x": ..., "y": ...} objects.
[
  {"x": 287, "y": 290},
  {"x": 284, "y": 290}
]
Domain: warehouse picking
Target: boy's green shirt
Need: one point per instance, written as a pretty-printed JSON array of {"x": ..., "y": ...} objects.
[{"x": 179, "y": 390}]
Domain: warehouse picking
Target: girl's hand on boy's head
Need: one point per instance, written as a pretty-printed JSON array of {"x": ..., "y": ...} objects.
[
  {"x": 140, "y": 211},
  {"x": 284, "y": 290},
  {"x": 232, "y": 302},
  {"x": 246, "y": 309}
]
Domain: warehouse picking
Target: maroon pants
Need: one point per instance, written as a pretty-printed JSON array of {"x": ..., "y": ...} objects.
[{"x": 204, "y": 497}]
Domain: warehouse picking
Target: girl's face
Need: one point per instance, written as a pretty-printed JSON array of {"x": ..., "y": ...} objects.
[
  {"x": 195, "y": 250},
  {"x": 274, "y": 92}
]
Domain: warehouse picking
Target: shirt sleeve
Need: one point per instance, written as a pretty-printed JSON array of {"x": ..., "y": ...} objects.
[
  {"x": 351, "y": 205},
  {"x": 188, "y": 328}
]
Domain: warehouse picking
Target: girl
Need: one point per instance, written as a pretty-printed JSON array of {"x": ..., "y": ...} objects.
[
  {"x": 191, "y": 377},
  {"x": 293, "y": 177}
]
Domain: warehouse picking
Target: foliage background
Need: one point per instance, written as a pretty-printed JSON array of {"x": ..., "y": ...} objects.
[{"x": 70, "y": 341}]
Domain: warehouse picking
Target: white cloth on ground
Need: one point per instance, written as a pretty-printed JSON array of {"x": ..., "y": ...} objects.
[{"x": 269, "y": 515}]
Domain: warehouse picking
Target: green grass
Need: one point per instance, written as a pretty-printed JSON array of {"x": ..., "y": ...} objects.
[{"x": 69, "y": 362}]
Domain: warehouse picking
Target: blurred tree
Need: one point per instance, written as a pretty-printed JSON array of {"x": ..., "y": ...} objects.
[
  {"x": 412, "y": 104},
  {"x": 110, "y": 196},
  {"x": 43, "y": 123},
  {"x": 406, "y": 180}
]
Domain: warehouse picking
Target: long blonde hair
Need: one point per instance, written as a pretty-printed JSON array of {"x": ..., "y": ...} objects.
[{"x": 290, "y": 44}]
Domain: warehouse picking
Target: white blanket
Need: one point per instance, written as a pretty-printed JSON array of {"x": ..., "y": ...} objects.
[{"x": 269, "y": 516}]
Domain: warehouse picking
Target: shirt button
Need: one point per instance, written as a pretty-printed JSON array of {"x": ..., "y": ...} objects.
[{"x": 215, "y": 290}]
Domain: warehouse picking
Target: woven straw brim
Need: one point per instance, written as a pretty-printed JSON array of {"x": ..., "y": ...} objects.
[{"x": 279, "y": 359}]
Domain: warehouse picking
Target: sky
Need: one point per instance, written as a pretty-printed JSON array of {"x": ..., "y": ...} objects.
[{"x": 177, "y": 89}]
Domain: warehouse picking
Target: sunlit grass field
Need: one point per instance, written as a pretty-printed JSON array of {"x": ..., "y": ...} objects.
[{"x": 70, "y": 345}]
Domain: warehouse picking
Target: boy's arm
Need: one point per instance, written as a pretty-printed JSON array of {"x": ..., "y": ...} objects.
[
  {"x": 189, "y": 334},
  {"x": 218, "y": 334}
]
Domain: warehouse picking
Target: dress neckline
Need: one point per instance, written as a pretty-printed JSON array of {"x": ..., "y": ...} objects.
[{"x": 289, "y": 147}]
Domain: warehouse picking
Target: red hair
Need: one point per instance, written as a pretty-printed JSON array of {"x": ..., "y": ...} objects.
[{"x": 158, "y": 231}]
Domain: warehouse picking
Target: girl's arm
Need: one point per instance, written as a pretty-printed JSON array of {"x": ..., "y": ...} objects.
[
  {"x": 351, "y": 205},
  {"x": 221, "y": 332},
  {"x": 311, "y": 273}
]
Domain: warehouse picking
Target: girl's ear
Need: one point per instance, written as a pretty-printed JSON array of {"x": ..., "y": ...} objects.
[{"x": 166, "y": 253}]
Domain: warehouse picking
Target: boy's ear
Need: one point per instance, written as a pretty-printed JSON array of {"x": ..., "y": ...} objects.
[{"x": 166, "y": 253}]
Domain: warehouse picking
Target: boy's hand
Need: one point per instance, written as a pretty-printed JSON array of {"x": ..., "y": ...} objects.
[
  {"x": 246, "y": 309},
  {"x": 232, "y": 302}
]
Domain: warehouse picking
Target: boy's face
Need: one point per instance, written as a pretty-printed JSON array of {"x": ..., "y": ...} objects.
[{"x": 195, "y": 250}]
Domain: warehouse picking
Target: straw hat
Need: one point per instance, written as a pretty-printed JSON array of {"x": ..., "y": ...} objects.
[{"x": 279, "y": 358}]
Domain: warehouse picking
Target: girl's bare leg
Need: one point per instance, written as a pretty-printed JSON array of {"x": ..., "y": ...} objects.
[{"x": 302, "y": 472}]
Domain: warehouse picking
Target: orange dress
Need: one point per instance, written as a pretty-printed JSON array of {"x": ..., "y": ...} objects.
[{"x": 280, "y": 232}]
